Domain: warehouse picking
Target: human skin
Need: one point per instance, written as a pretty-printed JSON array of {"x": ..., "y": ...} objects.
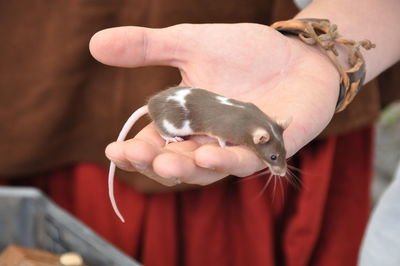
[{"x": 249, "y": 62}]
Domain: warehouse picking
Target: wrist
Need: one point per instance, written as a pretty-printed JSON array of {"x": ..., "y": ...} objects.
[
  {"x": 368, "y": 19},
  {"x": 321, "y": 64},
  {"x": 324, "y": 35}
]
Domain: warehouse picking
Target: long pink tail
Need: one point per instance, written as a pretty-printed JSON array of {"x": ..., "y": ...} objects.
[{"x": 122, "y": 135}]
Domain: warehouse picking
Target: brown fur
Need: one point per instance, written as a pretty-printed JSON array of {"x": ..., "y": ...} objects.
[{"x": 207, "y": 115}]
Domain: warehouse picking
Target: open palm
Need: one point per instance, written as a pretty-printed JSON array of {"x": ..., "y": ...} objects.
[{"x": 248, "y": 62}]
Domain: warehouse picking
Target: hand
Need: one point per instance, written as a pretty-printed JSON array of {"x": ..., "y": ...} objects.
[{"x": 248, "y": 62}]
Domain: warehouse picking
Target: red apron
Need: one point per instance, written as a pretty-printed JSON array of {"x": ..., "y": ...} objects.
[{"x": 232, "y": 223}]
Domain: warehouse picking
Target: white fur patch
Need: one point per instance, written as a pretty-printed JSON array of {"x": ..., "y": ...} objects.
[
  {"x": 185, "y": 130},
  {"x": 180, "y": 97},
  {"x": 226, "y": 101}
]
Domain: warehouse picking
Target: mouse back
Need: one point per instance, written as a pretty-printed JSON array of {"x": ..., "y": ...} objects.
[{"x": 183, "y": 111}]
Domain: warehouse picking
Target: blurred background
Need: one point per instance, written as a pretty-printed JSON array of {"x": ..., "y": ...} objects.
[{"x": 387, "y": 154}]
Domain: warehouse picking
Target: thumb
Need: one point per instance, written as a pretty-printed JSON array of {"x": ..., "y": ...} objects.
[{"x": 136, "y": 46}]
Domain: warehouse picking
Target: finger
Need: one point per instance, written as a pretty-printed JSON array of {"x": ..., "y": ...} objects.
[
  {"x": 150, "y": 134},
  {"x": 140, "y": 153},
  {"x": 141, "y": 150},
  {"x": 173, "y": 166},
  {"x": 165, "y": 166},
  {"x": 136, "y": 46},
  {"x": 236, "y": 160},
  {"x": 148, "y": 172},
  {"x": 115, "y": 152},
  {"x": 168, "y": 166}
]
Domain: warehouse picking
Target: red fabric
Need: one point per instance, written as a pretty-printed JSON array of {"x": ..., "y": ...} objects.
[{"x": 231, "y": 223}]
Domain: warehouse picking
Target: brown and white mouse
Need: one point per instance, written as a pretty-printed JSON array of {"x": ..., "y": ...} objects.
[{"x": 185, "y": 111}]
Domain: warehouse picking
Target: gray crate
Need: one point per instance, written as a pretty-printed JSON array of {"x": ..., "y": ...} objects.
[{"x": 30, "y": 219}]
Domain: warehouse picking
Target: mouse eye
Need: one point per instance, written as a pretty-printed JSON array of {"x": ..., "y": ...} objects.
[{"x": 274, "y": 157}]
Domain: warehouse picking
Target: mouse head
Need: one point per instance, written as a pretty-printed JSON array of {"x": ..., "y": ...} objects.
[{"x": 268, "y": 143}]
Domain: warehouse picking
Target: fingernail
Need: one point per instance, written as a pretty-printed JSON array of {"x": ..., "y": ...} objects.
[
  {"x": 123, "y": 164},
  {"x": 208, "y": 167},
  {"x": 175, "y": 180},
  {"x": 139, "y": 166}
]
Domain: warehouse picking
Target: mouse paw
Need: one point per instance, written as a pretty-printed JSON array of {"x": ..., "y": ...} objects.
[
  {"x": 172, "y": 139},
  {"x": 222, "y": 143}
]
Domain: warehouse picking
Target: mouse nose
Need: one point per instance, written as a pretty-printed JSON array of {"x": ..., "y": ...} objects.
[{"x": 276, "y": 170}]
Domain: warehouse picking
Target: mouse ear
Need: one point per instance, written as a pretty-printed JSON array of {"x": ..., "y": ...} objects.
[
  {"x": 260, "y": 136},
  {"x": 284, "y": 123}
]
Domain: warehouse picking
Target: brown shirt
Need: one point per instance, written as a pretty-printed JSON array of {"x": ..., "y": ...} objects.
[{"x": 59, "y": 106}]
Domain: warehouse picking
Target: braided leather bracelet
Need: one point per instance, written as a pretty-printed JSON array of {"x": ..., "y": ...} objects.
[{"x": 324, "y": 34}]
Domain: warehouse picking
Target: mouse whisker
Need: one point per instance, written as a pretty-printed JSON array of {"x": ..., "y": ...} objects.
[
  {"x": 274, "y": 191},
  {"x": 255, "y": 175},
  {"x": 295, "y": 168},
  {"x": 280, "y": 181},
  {"x": 265, "y": 186},
  {"x": 301, "y": 171},
  {"x": 247, "y": 178},
  {"x": 293, "y": 179},
  {"x": 264, "y": 171}
]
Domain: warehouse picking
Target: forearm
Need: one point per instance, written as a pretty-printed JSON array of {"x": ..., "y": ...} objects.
[{"x": 375, "y": 20}]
